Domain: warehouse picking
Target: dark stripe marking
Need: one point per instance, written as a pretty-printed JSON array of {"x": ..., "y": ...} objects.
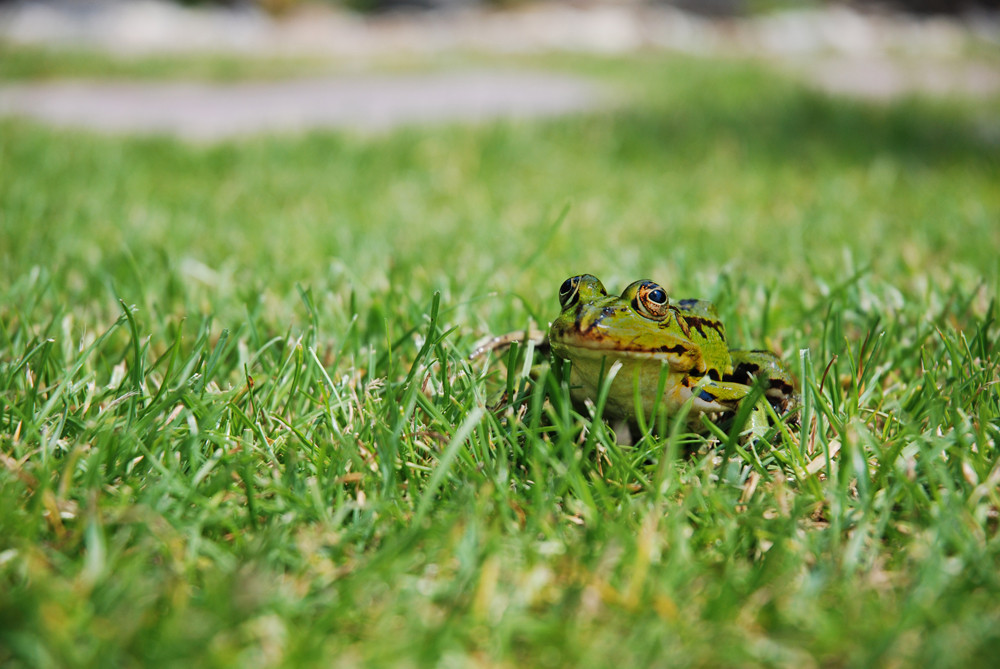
[
  {"x": 678, "y": 349},
  {"x": 700, "y": 324}
]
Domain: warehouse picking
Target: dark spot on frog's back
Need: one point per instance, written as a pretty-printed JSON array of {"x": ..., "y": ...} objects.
[
  {"x": 687, "y": 303},
  {"x": 783, "y": 387},
  {"x": 746, "y": 368},
  {"x": 743, "y": 373},
  {"x": 700, "y": 324}
]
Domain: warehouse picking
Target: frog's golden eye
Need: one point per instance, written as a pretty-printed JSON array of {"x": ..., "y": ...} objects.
[
  {"x": 657, "y": 296},
  {"x": 651, "y": 300},
  {"x": 569, "y": 291}
]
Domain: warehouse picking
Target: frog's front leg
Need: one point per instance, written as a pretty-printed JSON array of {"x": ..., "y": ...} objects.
[
  {"x": 718, "y": 399},
  {"x": 728, "y": 396}
]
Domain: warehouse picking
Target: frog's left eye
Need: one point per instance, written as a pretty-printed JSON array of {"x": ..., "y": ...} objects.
[
  {"x": 651, "y": 300},
  {"x": 569, "y": 291}
]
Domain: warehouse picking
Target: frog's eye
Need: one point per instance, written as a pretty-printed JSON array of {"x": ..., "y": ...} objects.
[
  {"x": 569, "y": 291},
  {"x": 651, "y": 300},
  {"x": 656, "y": 296},
  {"x": 585, "y": 286}
]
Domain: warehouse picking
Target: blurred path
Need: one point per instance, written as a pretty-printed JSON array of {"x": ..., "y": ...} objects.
[
  {"x": 875, "y": 55},
  {"x": 204, "y": 111}
]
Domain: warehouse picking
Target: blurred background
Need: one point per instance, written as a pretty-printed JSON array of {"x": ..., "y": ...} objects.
[
  {"x": 730, "y": 130},
  {"x": 353, "y": 26},
  {"x": 876, "y": 49}
]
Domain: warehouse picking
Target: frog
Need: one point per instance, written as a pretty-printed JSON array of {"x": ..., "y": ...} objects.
[{"x": 677, "y": 345}]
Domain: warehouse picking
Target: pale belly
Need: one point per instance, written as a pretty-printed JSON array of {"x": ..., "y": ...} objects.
[{"x": 635, "y": 375}]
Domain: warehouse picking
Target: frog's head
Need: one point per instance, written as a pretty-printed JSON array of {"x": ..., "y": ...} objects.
[{"x": 640, "y": 323}]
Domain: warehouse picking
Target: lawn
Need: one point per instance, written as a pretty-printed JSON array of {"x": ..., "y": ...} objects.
[{"x": 239, "y": 426}]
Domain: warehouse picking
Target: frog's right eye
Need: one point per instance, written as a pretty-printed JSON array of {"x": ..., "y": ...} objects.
[{"x": 569, "y": 292}]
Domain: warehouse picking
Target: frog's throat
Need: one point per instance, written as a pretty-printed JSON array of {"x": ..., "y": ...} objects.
[{"x": 590, "y": 365}]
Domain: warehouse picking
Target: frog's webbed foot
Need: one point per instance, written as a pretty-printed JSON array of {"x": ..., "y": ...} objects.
[
  {"x": 757, "y": 425},
  {"x": 623, "y": 432}
]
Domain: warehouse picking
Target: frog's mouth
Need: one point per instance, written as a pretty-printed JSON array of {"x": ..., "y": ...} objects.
[
  {"x": 596, "y": 349},
  {"x": 675, "y": 354}
]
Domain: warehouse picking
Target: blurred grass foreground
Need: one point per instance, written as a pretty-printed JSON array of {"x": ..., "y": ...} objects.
[{"x": 239, "y": 426}]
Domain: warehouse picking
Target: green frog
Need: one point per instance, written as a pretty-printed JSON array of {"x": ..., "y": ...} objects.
[{"x": 651, "y": 335}]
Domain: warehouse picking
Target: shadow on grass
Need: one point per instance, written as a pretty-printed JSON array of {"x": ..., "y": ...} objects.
[{"x": 775, "y": 120}]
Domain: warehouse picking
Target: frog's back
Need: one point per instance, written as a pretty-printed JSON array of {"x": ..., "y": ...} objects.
[{"x": 699, "y": 308}]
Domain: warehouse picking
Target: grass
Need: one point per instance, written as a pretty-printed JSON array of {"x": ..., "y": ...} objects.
[{"x": 238, "y": 426}]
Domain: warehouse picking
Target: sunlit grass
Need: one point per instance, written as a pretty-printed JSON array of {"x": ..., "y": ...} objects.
[{"x": 239, "y": 426}]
